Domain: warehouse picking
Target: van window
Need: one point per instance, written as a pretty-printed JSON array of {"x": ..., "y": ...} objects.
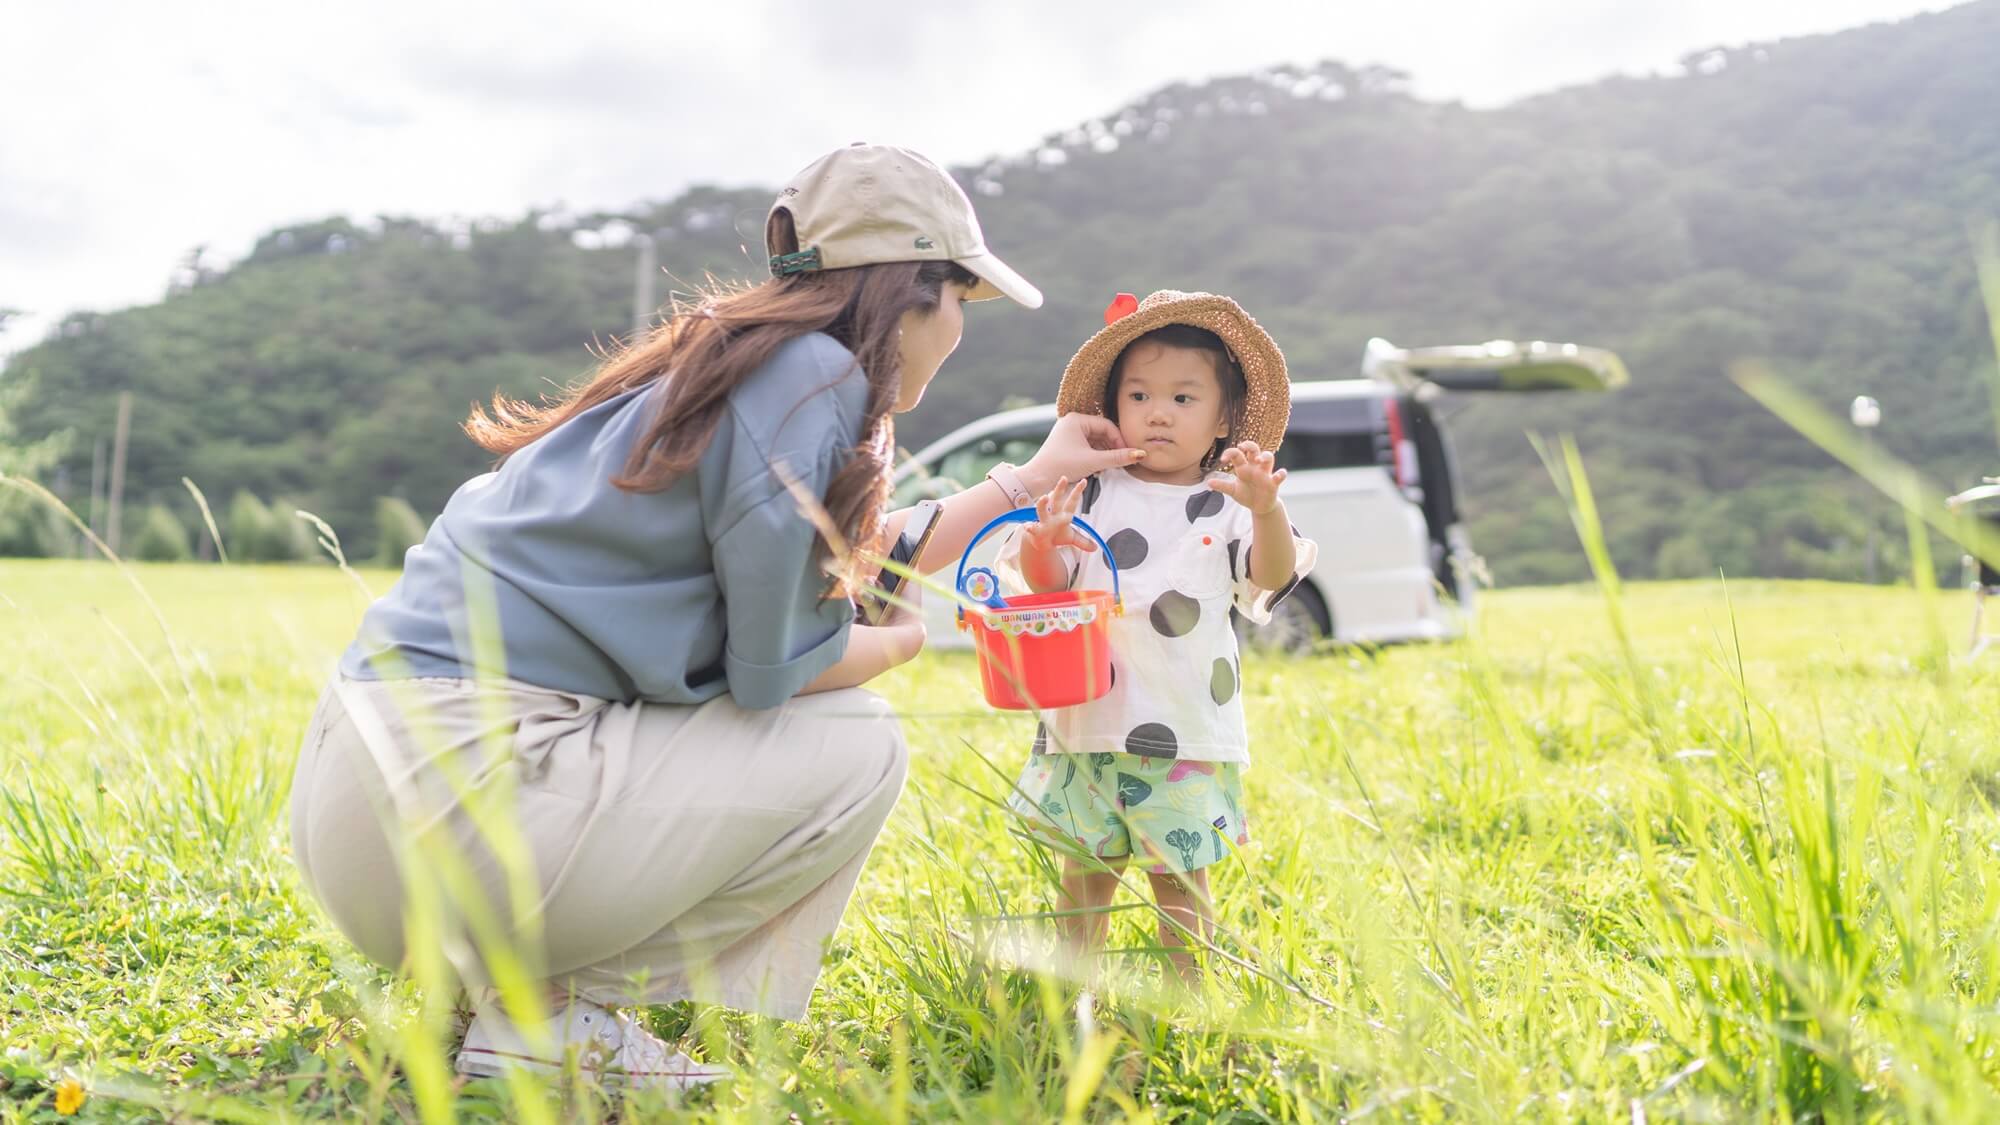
[
  {"x": 1335, "y": 434},
  {"x": 967, "y": 465}
]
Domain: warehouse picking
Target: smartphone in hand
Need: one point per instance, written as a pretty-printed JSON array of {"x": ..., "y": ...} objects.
[{"x": 873, "y": 604}]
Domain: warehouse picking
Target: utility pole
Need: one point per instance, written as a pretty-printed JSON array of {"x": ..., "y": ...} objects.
[
  {"x": 96, "y": 489},
  {"x": 124, "y": 431},
  {"x": 644, "y": 303}
]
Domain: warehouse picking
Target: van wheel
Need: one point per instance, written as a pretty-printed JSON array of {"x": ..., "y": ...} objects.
[{"x": 1297, "y": 623}]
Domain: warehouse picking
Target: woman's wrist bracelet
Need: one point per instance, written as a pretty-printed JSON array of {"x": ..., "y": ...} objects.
[{"x": 1010, "y": 483}]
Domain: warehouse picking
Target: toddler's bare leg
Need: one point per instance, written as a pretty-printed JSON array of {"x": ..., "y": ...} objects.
[
  {"x": 1086, "y": 888},
  {"x": 1184, "y": 899}
]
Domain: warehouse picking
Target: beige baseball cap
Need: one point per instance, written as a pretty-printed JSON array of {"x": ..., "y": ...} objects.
[{"x": 867, "y": 204}]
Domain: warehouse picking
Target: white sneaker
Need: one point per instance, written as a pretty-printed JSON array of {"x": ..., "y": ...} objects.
[{"x": 610, "y": 1046}]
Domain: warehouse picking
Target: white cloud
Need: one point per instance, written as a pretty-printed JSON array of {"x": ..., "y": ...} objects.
[{"x": 131, "y": 132}]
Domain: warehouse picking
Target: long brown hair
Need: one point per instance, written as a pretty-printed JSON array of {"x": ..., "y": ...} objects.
[{"x": 712, "y": 342}]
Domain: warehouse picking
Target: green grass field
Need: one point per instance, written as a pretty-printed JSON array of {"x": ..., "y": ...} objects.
[{"x": 1745, "y": 870}]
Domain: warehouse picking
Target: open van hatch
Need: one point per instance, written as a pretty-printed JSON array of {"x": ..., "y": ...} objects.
[{"x": 1501, "y": 365}]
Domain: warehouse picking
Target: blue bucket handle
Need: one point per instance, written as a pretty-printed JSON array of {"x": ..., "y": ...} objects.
[{"x": 1029, "y": 515}]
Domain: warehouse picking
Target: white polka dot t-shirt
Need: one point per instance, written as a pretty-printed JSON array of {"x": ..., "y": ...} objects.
[{"x": 1183, "y": 558}]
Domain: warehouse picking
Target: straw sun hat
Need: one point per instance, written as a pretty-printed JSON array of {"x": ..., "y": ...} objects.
[{"x": 1268, "y": 401}]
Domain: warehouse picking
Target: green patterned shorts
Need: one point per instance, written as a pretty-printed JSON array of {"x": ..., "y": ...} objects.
[{"x": 1176, "y": 816}]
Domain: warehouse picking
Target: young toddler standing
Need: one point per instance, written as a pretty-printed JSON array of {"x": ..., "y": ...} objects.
[{"x": 1153, "y": 769}]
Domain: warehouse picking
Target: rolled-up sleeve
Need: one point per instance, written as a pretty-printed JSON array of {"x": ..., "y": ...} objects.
[
  {"x": 1253, "y": 601},
  {"x": 782, "y": 630}
]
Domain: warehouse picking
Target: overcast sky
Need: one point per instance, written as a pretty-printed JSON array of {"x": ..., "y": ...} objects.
[{"x": 130, "y": 132}]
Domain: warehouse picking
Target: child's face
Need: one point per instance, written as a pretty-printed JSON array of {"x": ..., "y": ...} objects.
[{"x": 1170, "y": 405}]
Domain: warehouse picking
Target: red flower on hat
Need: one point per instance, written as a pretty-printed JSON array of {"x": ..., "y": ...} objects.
[{"x": 1121, "y": 306}]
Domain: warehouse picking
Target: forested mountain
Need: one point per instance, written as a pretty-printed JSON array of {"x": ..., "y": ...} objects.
[{"x": 1813, "y": 202}]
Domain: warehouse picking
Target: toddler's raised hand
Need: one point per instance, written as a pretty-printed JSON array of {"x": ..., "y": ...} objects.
[
  {"x": 1255, "y": 479},
  {"x": 1055, "y": 513}
]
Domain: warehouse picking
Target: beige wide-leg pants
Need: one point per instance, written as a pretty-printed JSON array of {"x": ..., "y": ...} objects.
[{"x": 664, "y": 852}]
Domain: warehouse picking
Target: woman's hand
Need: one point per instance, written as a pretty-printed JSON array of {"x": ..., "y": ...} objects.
[
  {"x": 1079, "y": 446},
  {"x": 908, "y": 616},
  {"x": 874, "y": 649},
  {"x": 1254, "y": 481}
]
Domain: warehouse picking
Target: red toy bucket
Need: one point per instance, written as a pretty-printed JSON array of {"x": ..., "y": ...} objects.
[{"x": 1038, "y": 650}]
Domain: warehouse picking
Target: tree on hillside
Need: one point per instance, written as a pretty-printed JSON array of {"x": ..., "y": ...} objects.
[
  {"x": 28, "y": 526},
  {"x": 1805, "y": 202}
]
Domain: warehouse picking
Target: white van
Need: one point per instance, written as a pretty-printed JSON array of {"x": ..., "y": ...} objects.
[{"x": 1371, "y": 481}]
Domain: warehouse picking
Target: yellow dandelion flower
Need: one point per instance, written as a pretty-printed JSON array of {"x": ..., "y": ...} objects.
[{"x": 69, "y": 1096}]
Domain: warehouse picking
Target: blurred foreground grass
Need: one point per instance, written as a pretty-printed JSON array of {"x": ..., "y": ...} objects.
[{"x": 1508, "y": 878}]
